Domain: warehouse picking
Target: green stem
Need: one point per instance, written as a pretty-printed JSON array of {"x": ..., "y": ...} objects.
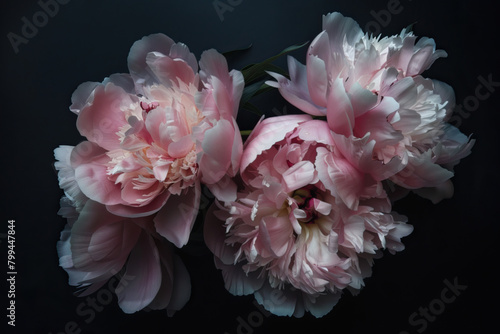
[{"x": 245, "y": 132}]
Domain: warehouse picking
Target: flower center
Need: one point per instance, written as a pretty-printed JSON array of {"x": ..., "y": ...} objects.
[{"x": 304, "y": 198}]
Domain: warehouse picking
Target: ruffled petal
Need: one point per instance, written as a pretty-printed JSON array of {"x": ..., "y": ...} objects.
[
  {"x": 143, "y": 276},
  {"x": 176, "y": 219}
]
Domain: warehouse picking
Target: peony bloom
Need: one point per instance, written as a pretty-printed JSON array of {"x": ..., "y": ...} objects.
[
  {"x": 155, "y": 134},
  {"x": 98, "y": 247},
  {"x": 371, "y": 89},
  {"x": 306, "y": 223}
]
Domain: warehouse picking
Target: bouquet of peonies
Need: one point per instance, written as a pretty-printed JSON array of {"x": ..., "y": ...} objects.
[{"x": 301, "y": 208}]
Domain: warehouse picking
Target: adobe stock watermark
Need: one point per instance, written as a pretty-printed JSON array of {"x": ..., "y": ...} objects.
[
  {"x": 421, "y": 318},
  {"x": 30, "y": 26},
  {"x": 383, "y": 17},
  {"x": 223, "y": 6},
  {"x": 471, "y": 103},
  {"x": 255, "y": 318},
  {"x": 95, "y": 303}
]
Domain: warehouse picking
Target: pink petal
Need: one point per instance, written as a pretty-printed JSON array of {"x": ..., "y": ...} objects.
[
  {"x": 137, "y": 57},
  {"x": 341, "y": 30},
  {"x": 281, "y": 302},
  {"x": 217, "y": 151},
  {"x": 359, "y": 153},
  {"x": 180, "y": 148},
  {"x": 266, "y": 134},
  {"x": 322, "y": 304},
  {"x": 315, "y": 131},
  {"x": 421, "y": 171},
  {"x": 97, "y": 246},
  {"x": 81, "y": 96},
  {"x": 181, "y": 290},
  {"x": 274, "y": 235},
  {"x": 144, "y": 276},
  {"x": 317, "y": 80},
  {"x": 176, "y": 219},
  {"x": 237, "y": 150},
  {"x": 170, "y": 71},
  {"x": 237, "y": 282},
  {"x": 423, "y": 59},
  {"x": 438, "y": 193},
  {"x": 224, "y": 190},
  {"x": 299, "y": 175},
  {"x": 140, "y": 211},
  {"x": 362, "y": 99},
  {"x": 376, "y": 123},
  {"x": 102, "y": 118},
  {"x": 91, "y": 174},
  {"x": 340, "y": 114},
  {"x": 181, "y": 51},
  {"x": 296, "y": 89}
]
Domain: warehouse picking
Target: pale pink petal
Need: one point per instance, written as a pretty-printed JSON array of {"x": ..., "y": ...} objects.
[
  {"x": 66, "y": 176},
  {"x": 180, "y": 148},
  {"x": 82, "y": 95},
  {"x": 299, "y": 175},
  {"x": 315, "y": 131},
  {"x": 181, "y": 51},
  {"x": 227, "y": 86},
  {"x": 94, "y": 253},
  {"x": 340, "y": 114},
  {"x": 274, "y": 235},
  {"x": 359, "y": 152},
  {"x": 237, "y": 150},
  {"x": 423, "y": 59},
  {"x": 362, "y": 99},
  {"x": 438, "y": 193},
  {"x": 296, "y": 89},
  {"x": 341, "y": 30},
  {"x": 123, "y": 80},
  {"x": 102, "y": 118},
  {"x": 420, "y": 172},
  {"x": 181, "y": 290},
  {"x": 376, "y": 123},
  {"x": 144, "y": 276},
  {"x": 217, "y": 151},
  {"x": 317, "y": 80},
  {"x": 169, "y": 71},
  {"x": 224, "y": 190},
  {"x": 140, "y": 211},
  {"x": 266, "y": 133},
  {"x": 237, "y": 282},
  {"x": 164, "y": 295},
  {"x": 319, "y": 306},
  {"x": 214, "y": 235},
  {"x": 176, "y": 219},
  {"x": 139, "y": 70},
  {"x": 279, "y": 302},
  {"x": 92, "y": 176}
]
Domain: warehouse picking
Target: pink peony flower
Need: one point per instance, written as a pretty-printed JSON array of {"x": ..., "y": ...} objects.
[
  {"x": 371, "y": 89},
  {"x": 97, "y": 247},
  {"x": 155, "y": 134},
  {"x": 306, "y": 224}
]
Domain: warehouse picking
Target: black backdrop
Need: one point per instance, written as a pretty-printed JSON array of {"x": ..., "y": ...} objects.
[{"x": 455, "y": 240}]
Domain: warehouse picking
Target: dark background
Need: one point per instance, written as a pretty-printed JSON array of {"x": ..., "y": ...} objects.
[{"x": 89, "y": 40}]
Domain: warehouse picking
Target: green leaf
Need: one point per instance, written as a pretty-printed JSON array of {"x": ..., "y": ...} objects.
[
  {"x": 252, "y": 108},
  {"x": 257, "y": 71},
  {"x": 251, "y": 90},
  {"x": 236, "y": 51},
  {"x": 409, "y": 28}
]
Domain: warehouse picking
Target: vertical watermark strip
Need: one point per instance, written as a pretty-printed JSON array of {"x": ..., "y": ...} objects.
[{"x": 11, "y": 273}]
